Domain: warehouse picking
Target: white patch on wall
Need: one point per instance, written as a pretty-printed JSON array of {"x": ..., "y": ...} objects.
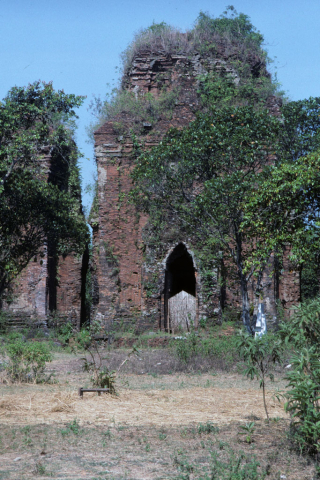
[{"x": 102, "y": 180}]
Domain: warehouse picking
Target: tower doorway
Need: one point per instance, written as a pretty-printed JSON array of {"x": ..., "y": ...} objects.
[{"x": 179, "y": 290}]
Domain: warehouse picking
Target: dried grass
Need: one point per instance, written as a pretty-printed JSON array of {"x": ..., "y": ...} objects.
[
  {"x": 64, "y": 402},
  {"x": 136, "y": 408}
]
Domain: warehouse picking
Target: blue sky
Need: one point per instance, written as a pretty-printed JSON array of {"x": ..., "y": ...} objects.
[{"x": 76, "y": 44}]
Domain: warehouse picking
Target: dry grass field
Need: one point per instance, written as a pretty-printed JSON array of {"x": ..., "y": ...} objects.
[{"x": 160, "y": 426}]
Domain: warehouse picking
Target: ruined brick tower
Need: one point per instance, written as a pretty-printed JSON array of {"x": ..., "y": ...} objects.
[
  {"x": 51, "y": 285},
  {"x": 135, "y": 280}
]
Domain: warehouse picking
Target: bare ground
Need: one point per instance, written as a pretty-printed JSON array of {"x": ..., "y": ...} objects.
[{"x": 155, "y": 428}]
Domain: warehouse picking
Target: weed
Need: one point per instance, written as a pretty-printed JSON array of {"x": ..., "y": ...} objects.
[
  {"x": 207, "y": 428},
  {"x": 72, "y": 427},
  {"x": 202, "y": 322},
  {"x": 105, "y": 379},
  {"x": 108, "y": 433},
  {"x": 184, "y": 432},
  {"x": 208, "y": 384},
  {"x": 248, "y": 430},
  {"x": 27, "y": 441},
  {"x": 275, "y": 419},
  {"x": 210, "y": 347},
  {"x": 40, "y": 469},
  {"x": 237, "y": 467},
  {"x": 222, "y": 445},
  {"x": 162, "y": 436},
  {"x": 182, "y": 463},
  {"x": 26, "y": 429}
]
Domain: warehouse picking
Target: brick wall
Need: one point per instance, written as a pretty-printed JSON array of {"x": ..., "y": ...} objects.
[
  {"x": 49, "y": 284},
  {"x": 129, "y": 274}
]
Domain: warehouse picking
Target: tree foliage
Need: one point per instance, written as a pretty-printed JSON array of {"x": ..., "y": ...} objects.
[
  {"x": 204, "y": 174},
  {"x": 284, "y": 208},
  {"x": 300, "y": 134},
  {"x": 37, "y": 207},
  {"x": 302, "y": 334}
]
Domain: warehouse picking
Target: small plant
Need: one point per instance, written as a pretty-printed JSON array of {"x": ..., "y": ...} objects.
[
  {"x": 207, "y": 428},
  {"x": 65, "y": 332},
  {"x": 202, "y": 322},
  {"x": 227, "y": 466},
  {"x": 90, "y": 340},
  {"x": 260, "y": 354},
  {"x": 248, "y": 430},
  {"x": 105, "y": 378},
  {"x": 40, "y": 469},
  {"x": 237, "y": 467},
  {"x": 4, "y": 317},
  {"x": 72, "y": 427},
  {"x": 186, "y": 347}
]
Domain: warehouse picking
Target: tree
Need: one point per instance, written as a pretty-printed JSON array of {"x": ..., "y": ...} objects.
[
  {"x": 300, "y": 134},
  {"x": 30, "y": 118},
  {"x": 203, "y": 176},
  {"x": 284, "y": 208},
  {"x": 37, "y": 209}
]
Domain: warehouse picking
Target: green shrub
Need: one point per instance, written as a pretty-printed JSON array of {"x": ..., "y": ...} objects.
[
  {"x": 303, "y": 328},
  {"x": 220, "y": 346},
  {"x": 105, "y": 378},
  {"x": 72, "y": 427},
  {"x": 142, "y": 108},
  {"x": 302, "y": 332},
  {"x": 3, "y": 322},
  {"x": 233, "y": 30},
  {"x": 65, "y": 332},
  {"x": 186, "y": 346},
  {"x": 25, "y": 361},
  {"x": 310, "y": 278},
  {"x": 229, "y": 466},
  {"x": 207, "y": 428},
  {"x": 303, "y": 400},
  {"x": 236, "y": 467},
  {"x": 210, "y": 346}
]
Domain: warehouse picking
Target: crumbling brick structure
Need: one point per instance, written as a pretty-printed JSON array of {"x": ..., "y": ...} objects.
[
  {"x": 51, "y": 288},
  {"x": 135, "y": 278}
]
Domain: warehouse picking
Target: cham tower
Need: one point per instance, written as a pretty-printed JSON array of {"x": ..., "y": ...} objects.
[{"x": 145, "y": 283}]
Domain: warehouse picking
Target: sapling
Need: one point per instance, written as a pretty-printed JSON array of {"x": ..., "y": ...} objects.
[{"x": 260, "y": 355}]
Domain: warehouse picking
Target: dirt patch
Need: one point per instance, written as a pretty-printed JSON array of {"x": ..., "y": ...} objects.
[{"x": 158, "y": 427}]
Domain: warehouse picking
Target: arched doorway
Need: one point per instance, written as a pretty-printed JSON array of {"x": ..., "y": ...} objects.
[{"x": 179, "y": 290}]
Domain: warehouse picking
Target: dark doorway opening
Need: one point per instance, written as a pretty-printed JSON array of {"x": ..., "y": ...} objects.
[{"x": 179, "y": 275}]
